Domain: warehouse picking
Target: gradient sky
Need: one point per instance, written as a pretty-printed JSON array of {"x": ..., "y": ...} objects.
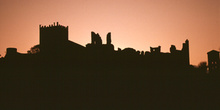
[{"x": 133, "y": 23}]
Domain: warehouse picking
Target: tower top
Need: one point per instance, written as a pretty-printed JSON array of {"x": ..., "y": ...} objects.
[
  {"x": 53, "y": 25},
  {"x": 213, "y": 51}
]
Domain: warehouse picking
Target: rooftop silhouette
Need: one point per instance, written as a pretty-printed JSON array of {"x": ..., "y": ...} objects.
[
  {"x": 60, "y": 74},
  {"x": 54, "y": 45}
]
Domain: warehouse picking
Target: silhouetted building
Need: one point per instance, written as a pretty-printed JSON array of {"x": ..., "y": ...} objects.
[
  {"x": 97, "y": 47},
  {"x": 11, "y": 53},
  {"x": 54, "y": 45},
  {"x": 155, "y": 50},
  {"x": 53, "y": 38},
  {"x": 213, "y": 61},
  {"x": 185, "y": 51},
  {"x": 12, "y": 56},
  {"x": 181, "y": 55}
]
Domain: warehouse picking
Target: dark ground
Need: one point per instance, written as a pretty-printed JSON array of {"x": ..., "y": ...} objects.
[{"x": 55, "y": 86}]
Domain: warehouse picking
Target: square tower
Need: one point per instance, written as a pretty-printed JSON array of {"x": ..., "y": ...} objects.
[
  {"x": 53, "y": 38},
  {"x": 213, "y": 61}
]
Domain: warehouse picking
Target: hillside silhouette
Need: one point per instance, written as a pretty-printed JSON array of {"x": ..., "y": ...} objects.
[{"x": 60, "y": 74}]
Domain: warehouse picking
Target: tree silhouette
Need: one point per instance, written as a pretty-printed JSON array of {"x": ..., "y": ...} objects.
[
  {"x": 34, "y": 50},
  {"x": 202, "y": 67}
]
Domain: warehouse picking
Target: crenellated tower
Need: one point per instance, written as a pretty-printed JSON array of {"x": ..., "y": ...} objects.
[{"x": 53, "y": 38}]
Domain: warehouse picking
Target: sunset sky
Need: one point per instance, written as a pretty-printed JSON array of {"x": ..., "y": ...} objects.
[{"x": 133, "y": 23}]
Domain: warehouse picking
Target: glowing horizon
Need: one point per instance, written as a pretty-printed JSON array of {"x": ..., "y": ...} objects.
[{"x": 137, "y": 24}]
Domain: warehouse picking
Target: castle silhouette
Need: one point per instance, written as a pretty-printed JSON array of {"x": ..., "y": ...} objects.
[
  {"x": 55, "y": 45},
  {"x": 61, "y": 74}
]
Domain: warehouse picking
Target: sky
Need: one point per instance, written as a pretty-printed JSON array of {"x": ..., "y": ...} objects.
[{"x": 133, "y": 23}]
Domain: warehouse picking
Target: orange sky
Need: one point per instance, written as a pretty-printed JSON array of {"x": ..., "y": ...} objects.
[{"x": 133, "y": 23}]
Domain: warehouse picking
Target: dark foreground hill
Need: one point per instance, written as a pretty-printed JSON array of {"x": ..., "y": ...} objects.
[{"x": 106, "y": 87}]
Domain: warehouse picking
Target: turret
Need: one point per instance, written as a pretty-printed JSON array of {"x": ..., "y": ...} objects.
[
  {"x": 109, "y": 38},
  {"x": 185, "y": 51}
]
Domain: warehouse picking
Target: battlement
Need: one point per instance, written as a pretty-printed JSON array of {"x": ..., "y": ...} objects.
[
  {"x": 53, "y": 25},
  {"x": 53, "y": 37}
]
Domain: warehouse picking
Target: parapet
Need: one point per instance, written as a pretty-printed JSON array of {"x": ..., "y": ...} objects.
[
  {"x": 11, "y": 50},
  {"x": 53, "y": 25}
]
